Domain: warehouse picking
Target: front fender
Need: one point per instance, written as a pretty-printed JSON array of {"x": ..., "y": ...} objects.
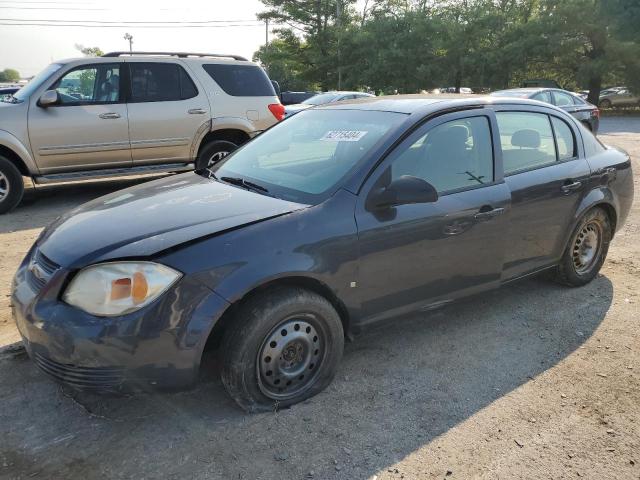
[
  {"x": 317, "y": 244},
  {"x": 14, "y": 144}
]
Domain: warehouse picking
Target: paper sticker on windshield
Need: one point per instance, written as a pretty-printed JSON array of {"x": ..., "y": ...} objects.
[{"x": 343, "y": 136}]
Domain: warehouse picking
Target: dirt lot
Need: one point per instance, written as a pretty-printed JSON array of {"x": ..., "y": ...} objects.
[{"x": 531, "y": 381}]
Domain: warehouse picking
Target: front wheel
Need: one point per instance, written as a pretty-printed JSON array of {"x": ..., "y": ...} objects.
[
  {"x": 283, "y": 346},
  {"x": 213, "y": 153},
  {"x": 587, "y": 249}
]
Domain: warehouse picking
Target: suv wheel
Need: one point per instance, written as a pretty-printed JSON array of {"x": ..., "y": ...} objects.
[
  {"x": 11, "y": 185},
  {"x": 605, "y": 103},
  {"x": 284, "y": 347},
  {"x": 587, "y": 249},
  {"x": 213, "y": 152}
]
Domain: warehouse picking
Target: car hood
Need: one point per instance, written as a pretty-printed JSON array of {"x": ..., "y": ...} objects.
[{"x": 148, "y": 218}]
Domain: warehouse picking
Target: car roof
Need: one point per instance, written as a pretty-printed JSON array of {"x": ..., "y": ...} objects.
[
  {"x": 409, "y": 104},
  {"x": 156, "y": 57}
]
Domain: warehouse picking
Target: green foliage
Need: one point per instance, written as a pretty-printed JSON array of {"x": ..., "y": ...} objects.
[
  {"x": 414, "y": 45},
  {"x": 89, "y": 51},
  {"x": 9, "y": 75}
]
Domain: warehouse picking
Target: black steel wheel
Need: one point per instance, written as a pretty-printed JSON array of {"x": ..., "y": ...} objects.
[
  {"x": 291, "y": 357},
  {"x": 587, "y": 249},
  {"x": 283, "y": 346}
]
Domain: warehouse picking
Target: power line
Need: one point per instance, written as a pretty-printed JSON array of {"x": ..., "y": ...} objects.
[
  {"x": 125, "y": 25},
  {"x": 54, "y": 8},
  {"x": 169, "y": 22}
]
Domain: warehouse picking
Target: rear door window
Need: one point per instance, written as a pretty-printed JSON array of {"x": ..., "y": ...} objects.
[
  {"x": 542, "y": 97},
  {"x": 562, "y": 99},
  {"x": 240, "y": 80},
  {"x": 527, "y": 140},
  {"x": 160, "y": 82}
]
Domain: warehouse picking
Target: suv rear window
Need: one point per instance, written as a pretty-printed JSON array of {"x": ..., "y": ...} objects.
[
  {"x": 160, "y": 82},
  {"x": 241, "y": 80}
]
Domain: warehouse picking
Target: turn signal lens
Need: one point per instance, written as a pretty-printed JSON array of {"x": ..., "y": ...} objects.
[
  {"x": 278, "y": 110},
  {"x": 111, "y": 289}
]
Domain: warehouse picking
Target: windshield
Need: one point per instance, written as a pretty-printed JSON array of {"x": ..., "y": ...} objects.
[
  {"x": 25, "y": 92},
  {"x": 304, "y": 158},
  {"x": 321, "y": 99}
]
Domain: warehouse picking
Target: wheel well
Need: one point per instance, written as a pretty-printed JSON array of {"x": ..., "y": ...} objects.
[
  {"x": 17, "y": 161},
  {"x": 229, "y": 134},
  {"x": 213, "y": 341},
  {"x": 611, "y": 213}
]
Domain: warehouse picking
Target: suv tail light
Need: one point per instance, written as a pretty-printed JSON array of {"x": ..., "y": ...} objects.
[
  {"x": 595, "y": 113},
  {"x": 278, "y": 110}
]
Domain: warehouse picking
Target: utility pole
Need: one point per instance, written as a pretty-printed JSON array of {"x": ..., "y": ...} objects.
[
  {"x": 338, "y": 34},
  {"x": 129, "y": 38},
  {"x": 266, "y": 33}
]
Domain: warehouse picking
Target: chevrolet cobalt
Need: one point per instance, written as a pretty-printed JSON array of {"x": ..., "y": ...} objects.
[{"x": 339, "y": 217}]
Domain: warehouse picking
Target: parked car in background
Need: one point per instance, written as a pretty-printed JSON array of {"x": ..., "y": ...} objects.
[
  {"x": 124, "y": 114},
  {"x": 619, "y": 97},
  {"x": 6, "y": 92},
  {"x": 588, "y": 114},
  {"x": 322, "y": 99},
  {"x": 540, "y": 83},
  {"x": 464, "y": 90},
  {"x": 291, "y": 98},
  {"x": 342, "y": 216}
]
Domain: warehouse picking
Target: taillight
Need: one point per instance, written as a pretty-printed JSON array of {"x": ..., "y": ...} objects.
[
  {"x": 595, "y": 113},
  {"x": 278, "y": 110}
]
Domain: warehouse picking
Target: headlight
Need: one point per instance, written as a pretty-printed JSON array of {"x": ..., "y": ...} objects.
[{"x": 110, "y": 289}]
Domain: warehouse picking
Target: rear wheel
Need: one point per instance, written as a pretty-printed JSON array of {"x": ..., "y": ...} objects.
[
  {"x": 605, "y": 103},
  {"x": 283, "y": 347},
  {"x": 11, "y": 185},
  {"x": 213, "y": 152},
  {"x": 587, "y": 249}
]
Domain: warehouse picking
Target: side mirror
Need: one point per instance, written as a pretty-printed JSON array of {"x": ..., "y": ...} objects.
[
  {"x": 48, "y": 98},
  {"x": 402, "y": 191}
]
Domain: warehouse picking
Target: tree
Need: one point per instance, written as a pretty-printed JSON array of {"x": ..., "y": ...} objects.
[
  {"x": 9, "y": 75},
  {"x": 89, "y": 51}
]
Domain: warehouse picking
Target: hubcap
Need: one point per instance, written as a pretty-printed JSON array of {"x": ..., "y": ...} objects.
[
  {"x": 586, "y": 247},
  {"x": 290, "y": 358},
  {"x": 4, "y": 186},
  {"x": 216, "y": 157}
]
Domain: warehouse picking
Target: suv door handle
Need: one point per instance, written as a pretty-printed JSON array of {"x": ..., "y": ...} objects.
[
  {"x": 570, "y": 187},
  {"x": 197, "y": 111},
  {"x": 485, "y": 214},
  {"x": 109, "y": 116}
]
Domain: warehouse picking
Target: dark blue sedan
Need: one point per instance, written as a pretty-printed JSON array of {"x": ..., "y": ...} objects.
[{"x": 338, "y": 218}]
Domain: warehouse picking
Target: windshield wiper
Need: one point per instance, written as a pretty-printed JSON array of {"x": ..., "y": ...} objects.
[{"x": 241, "y": 182}]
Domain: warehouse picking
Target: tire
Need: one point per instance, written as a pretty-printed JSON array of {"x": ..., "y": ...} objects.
[
  {"x": 605, "y": 104},
  {"x": 11, "y": 185},
  {"x": 284, "y": 347},
  {"x": 587, "y": 249},
  {"x": 213, "y": 152}
]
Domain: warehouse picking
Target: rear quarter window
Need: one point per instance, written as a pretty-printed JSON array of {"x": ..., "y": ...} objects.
[{"x": 241, "y": 80}]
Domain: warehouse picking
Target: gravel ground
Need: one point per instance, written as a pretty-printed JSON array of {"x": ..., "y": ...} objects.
[{"x": 530, "y": 381}]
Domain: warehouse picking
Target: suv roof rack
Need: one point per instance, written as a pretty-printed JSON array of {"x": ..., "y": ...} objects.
[{"x": 175, "y": 54}]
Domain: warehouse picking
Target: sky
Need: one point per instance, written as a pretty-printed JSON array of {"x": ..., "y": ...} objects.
[{"x": 30, "y": 48}]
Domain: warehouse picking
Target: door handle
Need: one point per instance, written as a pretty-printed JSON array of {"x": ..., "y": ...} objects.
[
  {"x": 487, "y": 214},
  {"x": 196, "y": 111},
  {"x": 109, "y": 116},
  {"x": 570, "y": 187}
]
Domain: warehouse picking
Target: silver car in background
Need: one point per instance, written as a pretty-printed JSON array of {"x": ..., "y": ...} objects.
[
  {"x": 323, "y": 99},
  {"x": 130, "y": 113}
]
